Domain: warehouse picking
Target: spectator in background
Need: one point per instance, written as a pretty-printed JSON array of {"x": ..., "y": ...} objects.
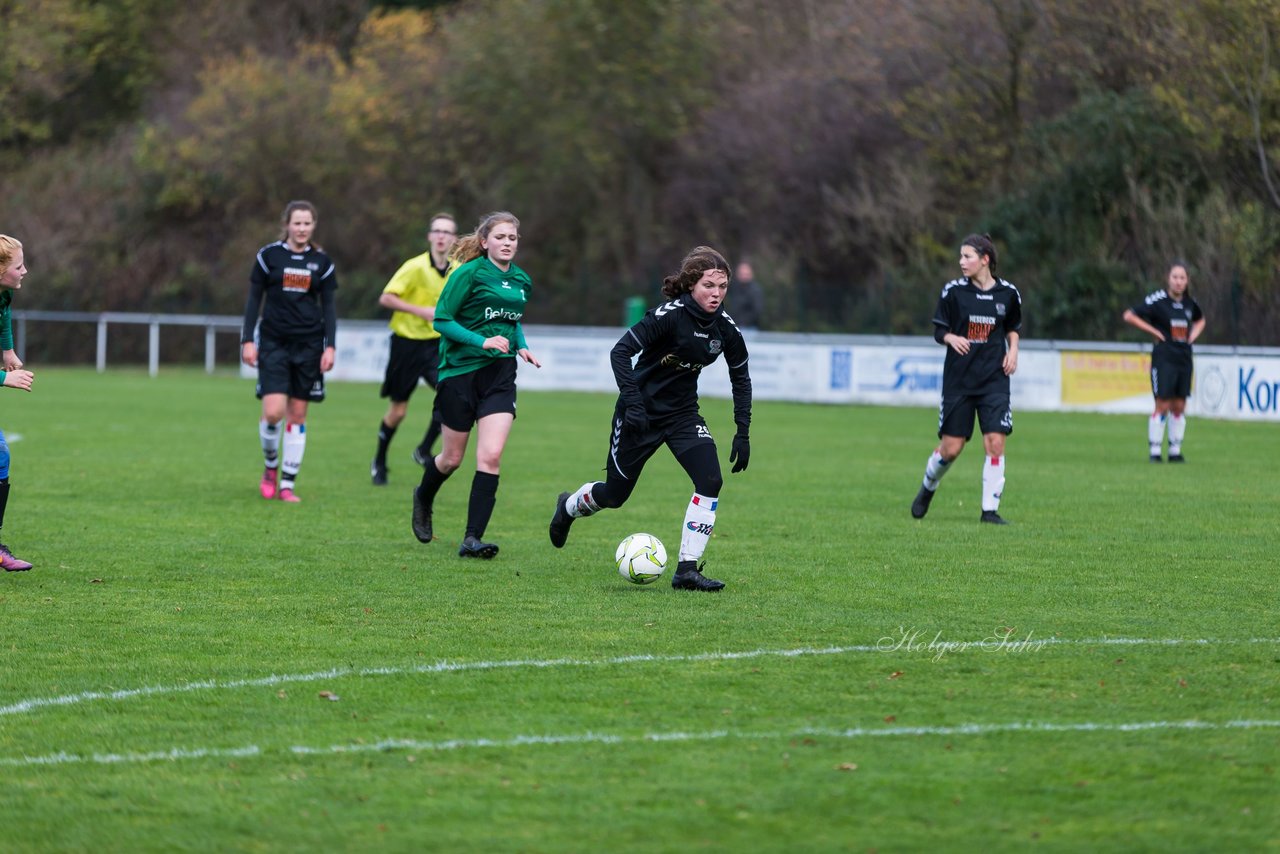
[
  {"x": 293, "y": 281},
  {"x": 748, "y": 298},
  {"x": 411, "y": 295}
]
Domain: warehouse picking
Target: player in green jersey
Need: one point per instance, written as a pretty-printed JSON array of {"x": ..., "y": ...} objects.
[{"x": 478, "y": 318}]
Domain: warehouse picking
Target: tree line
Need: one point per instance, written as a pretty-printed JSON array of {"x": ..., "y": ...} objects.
[{"x": 843, "y": 145}]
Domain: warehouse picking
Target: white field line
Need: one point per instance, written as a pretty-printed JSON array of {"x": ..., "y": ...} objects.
[
  {"x": 413, "y": 745},
  {"x": 903, "y": 642}
]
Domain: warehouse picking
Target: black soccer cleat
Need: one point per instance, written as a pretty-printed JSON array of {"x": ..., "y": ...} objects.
[
  {"x": 1156, "y": 458},
  {"x": 421, "y": 519},
  {"x": 560, "y": 522},
  {"x": 378, "y": 471},
  {"x": 920, "y": 506},
  {"x": 472, "y": 547},
  {"x": 421, "y": 458},
  {"x": 1177, "y": 458},
  {"x": 689, "y": 577},
  {"x": 991, "y": 517}
]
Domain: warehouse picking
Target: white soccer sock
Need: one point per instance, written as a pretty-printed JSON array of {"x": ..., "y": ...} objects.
[
  {"x": 699, "y": 522},
  {"x": 1155, "y": 433},
  {"x": 269, "y": 434},
  {"x": 934, "y": 470},
  {"x": 1177, "y": 429},
  {"x": 581, "y": 503},
  {"x": 295, "y": 445},
  {"x": 992, "y": 482}
]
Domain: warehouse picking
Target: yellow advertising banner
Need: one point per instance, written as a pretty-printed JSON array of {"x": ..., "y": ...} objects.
[{"x": 1097, "y": 377}]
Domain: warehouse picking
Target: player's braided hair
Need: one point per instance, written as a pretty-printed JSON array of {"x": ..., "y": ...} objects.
[
  {"x": 468, "y": 247},
  {"x": 698, "y": 261},
  {"x": 9, "y": 246},
  {"x": 983, "y": 245}
]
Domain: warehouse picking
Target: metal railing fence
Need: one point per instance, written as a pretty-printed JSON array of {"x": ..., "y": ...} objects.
[{"x": 212, "y": 323}]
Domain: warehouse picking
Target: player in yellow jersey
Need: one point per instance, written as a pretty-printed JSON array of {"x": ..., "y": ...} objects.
[{"x": 411, "y": 295}]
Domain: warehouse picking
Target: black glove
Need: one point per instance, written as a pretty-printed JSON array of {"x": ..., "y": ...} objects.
[
  {"x": 740, "y": 455},
  {"x": 636, "y": 419}
]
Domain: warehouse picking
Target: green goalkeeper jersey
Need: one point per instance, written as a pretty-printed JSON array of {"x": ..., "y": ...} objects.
[{"x": 480, "y": 301}]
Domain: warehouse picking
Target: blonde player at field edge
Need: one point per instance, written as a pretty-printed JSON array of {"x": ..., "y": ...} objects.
[
  {"x": 12, "y": 268},
  {"x": 411, "y": 295},
  {"x": 977, "y": 320}
]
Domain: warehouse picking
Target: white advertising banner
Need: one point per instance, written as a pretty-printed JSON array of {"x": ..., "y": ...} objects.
[
  {"x": 893, "y": 372},
  {"x": 1237, "y": 387}
]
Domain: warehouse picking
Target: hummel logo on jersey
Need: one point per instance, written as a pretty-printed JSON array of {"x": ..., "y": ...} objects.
[
  {"x": 701, "y": 335},
  {"x": 984, "y": 296}
]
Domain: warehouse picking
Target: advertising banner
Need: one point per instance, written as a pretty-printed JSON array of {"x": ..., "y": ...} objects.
[
  {"x": 1238, "y": 387},
  {"x": 873, "y": 371},
  {"x": 1106, "y": 381}
]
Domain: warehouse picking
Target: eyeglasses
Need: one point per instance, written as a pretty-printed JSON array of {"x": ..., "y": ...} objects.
[{"x": 441, "y": 231}]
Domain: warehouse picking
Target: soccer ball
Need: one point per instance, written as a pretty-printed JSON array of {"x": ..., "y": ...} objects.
[{"x": 641, "y": 558}]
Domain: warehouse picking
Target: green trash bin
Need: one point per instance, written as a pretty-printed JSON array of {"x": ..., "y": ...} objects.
[{"x": 633, "y": 311}]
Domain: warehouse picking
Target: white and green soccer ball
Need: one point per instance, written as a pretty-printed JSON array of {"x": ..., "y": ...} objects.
[{"x": 641, "y": 558}]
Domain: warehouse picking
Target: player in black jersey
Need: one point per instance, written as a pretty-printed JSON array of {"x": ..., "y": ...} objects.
[
  {"x": 1172, "y": 317},
  {"x": 658, "y": 405},
  {"x": 978, "y": 320},
  {"x": 293, "y": 346}
]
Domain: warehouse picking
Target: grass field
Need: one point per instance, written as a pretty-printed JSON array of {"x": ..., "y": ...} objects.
[{"x": 189, "y": 667}]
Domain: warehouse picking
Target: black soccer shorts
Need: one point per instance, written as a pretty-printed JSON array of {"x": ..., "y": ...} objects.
[
  {"x": 629, "y": 451},
  {"x": 1170, "y": 378},
  {"x": 292, "y": 367},
  {"x": 466, "y": 398},
  {"x": 956, "y": 413},
  {"x": 411, "y": 360}
]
